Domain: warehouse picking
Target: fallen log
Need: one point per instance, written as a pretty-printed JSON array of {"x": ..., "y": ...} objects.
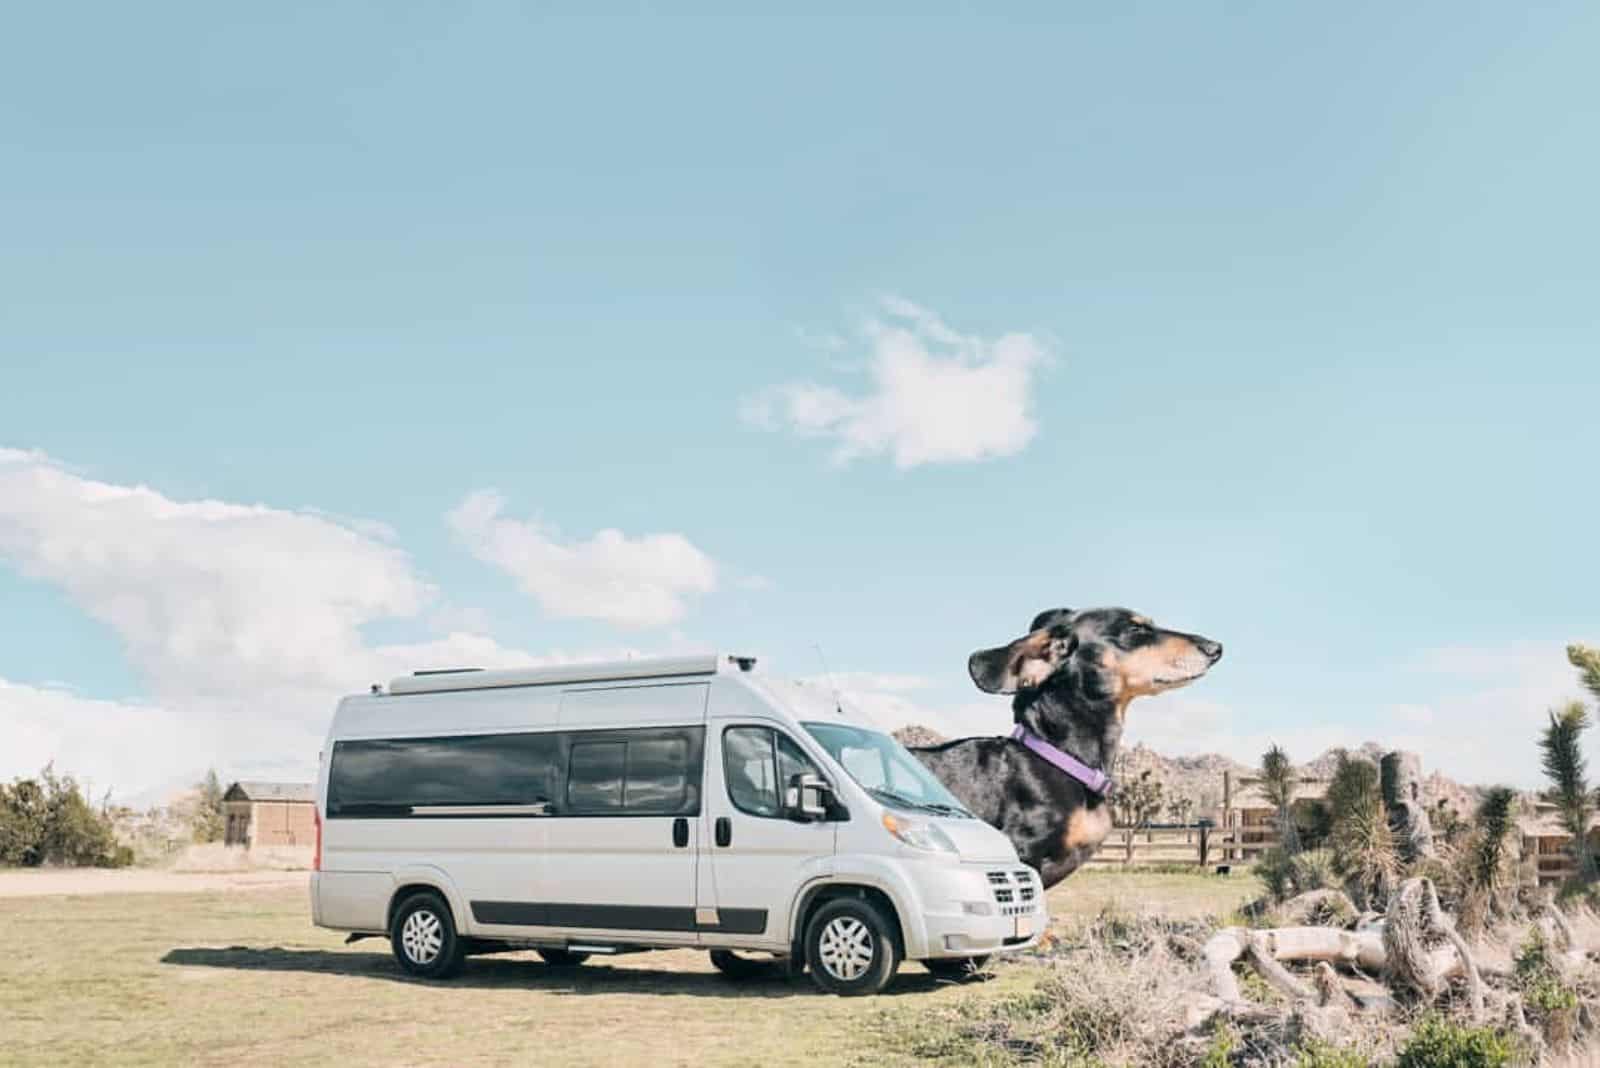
[{"x": 1415, "y": 945}]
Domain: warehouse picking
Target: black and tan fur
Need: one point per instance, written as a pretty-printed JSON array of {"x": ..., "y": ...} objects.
[{"x": 1074, "y": 675}]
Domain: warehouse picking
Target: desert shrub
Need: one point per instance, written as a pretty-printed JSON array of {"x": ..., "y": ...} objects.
[
  {"x": 1316, "y": 822},
  {"x": 1313, "y": 870},
  {"x": 1112, "y": 995},
  {"x": 1317, "y": 1054},
  {"x": 1440, "y": 1043},
  {"x": 1286, "y": 875},
  {"x": 1551, "y": 1002},
  {"x": 1219, "y": 1052},
  {"x": 48, "y": 821},
  {"x": 1276, "y": 869}
]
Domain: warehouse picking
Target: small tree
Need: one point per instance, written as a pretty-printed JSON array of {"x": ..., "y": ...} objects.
[
  {"x": 1277, "y": 783},
  {"x": 1180, "y": 808},
  {"x": 1134, "y": 803},
  {"x": 24, "y": 823},
  {"x": 208, "y": 821},
  {"x": 48, "y": 820},
  {"x": 1561, "y": 748}
]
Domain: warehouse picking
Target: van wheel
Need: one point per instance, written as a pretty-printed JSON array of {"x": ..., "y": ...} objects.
[
  {"x": 734, "y": 966},
  {"x": 956, "y": 969},
  {"x": 562, "y": 958},
  {"x": 851, "y": 948},
  {"x": 424, "y": 937}
]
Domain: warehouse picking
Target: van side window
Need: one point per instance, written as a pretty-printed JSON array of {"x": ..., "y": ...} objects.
[
  {"x": 387, "y": 778},
  {"x": 646, "y": 772},
  {"x": 594, "y": 777},
  {"x": 748, "y": 766},
  {"x": 652, "y": 772},
  {"x": 757, "y": 763},
  {"x": 657, "y": 774}
]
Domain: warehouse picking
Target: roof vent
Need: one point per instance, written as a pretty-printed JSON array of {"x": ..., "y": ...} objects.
[{"x": 745, "y": 662}]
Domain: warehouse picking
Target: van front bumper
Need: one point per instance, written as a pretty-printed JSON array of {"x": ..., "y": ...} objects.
[{"x": 979, "y": 909}]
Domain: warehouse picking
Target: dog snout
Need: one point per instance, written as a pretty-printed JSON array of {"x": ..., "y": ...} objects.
[{"x": 1213, "y": 650}]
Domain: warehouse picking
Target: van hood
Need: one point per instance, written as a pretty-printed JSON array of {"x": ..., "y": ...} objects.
[{"x": 978, "y": 842}]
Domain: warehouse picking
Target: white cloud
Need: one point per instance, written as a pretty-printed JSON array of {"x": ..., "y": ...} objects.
[
  {"x": 243, "y": 621},
  {"x": 635, "y": 582},
  {"x": 936, "y": 396},
  {"x": 209, "y": 598}
]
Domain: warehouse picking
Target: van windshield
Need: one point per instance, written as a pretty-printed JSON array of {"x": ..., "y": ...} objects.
[{"x": 883, "y": 768}]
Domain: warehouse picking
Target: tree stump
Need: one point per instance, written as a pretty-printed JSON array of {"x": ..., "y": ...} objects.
[{"x": 1401, "y": 776}]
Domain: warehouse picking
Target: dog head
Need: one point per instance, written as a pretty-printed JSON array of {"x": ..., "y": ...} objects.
[{"x": 1097, "y": 655}]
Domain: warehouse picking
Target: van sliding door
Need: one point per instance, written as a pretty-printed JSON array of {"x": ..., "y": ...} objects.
[{"x": 619, "y": 862}]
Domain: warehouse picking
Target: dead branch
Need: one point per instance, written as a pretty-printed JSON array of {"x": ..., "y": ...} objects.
[
  {"x": 1423, "y": 947},
  {"x": 1276, "y": 975}
]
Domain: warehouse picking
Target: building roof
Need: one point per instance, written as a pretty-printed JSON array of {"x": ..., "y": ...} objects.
[
  {"x": 271, "y": 791},
  {"x": 1541, "y": 819}
]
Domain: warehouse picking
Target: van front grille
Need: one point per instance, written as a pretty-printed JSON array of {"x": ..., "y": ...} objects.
[{"x": 1014, "y": 891}]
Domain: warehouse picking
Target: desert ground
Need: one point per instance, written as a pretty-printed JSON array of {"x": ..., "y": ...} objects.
[{"x": 165, "y": 968}]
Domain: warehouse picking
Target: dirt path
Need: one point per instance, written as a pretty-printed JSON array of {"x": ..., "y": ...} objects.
[{"x": 49, "y": 882}]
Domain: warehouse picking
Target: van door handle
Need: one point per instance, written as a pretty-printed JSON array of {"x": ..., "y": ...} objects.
[
  {"x": 724, "y": 830},
  {"x": 680, "y": 832}
]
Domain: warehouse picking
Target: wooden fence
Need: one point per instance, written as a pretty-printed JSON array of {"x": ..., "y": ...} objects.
[{"x": 1192, "y": 845}]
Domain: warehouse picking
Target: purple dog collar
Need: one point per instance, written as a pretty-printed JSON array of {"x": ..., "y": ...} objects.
[{"x": 1094, "y": 781}]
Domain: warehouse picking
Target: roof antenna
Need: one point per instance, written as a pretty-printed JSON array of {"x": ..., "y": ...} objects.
[{"x": 838, "y": 704}]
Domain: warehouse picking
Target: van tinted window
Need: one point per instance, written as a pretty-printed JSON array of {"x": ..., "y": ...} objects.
[
  {"x": 657, "y": 775},
  {"x": 594, "y": 777},
  {"x": 635, "y": 772},
  {"x": 389, "y": 777},
  {"x": 649, "y": 771}
]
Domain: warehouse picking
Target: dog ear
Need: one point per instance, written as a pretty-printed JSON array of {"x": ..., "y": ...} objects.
[
  {"x": 1050, "y": 617},
  {"x": 1024, "y": 664}
]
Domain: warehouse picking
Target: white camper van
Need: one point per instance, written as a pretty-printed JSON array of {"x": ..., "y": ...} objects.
[{"x": 651, "y": 804}]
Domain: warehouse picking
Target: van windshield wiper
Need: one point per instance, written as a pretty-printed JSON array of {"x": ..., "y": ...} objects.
[
  {"x": 894, "y": 798},
  {"x": 949, "y": 810}
]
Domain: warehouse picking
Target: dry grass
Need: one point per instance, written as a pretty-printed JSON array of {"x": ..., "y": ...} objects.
[
  {"x": 1089, "y": 893},
  {"x": 243, "y": 978}
]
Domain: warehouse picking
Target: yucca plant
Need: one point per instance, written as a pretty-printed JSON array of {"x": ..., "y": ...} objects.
[
  {"x": 1561, "y": 748},
  {"x": 1277, "y": 783},
  {"x": 1485, "y": 867},
  {"x": 1363, "y": 844},
  {"x": 1490, "y": 868},
  {"x": 1587, "y": 661}
]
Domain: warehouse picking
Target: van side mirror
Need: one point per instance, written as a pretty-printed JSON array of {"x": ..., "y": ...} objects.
[{"x": 808, "y": 798}]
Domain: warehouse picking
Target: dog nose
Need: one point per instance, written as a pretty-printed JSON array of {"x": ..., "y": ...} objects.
[{"x": 1211, "y": 649}]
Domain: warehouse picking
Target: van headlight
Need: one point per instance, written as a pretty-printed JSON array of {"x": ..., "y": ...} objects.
[{"x": 919, "y": 834}]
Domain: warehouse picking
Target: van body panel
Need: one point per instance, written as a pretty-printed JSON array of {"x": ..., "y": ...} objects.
[{"x": 353, "y": 900}]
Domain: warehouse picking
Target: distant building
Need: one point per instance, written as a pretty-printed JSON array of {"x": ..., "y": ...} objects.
[
  {"x": 1546, "y": 843},
  {"x": 269, "y": 814},
  {"x": 1250, "y": 822}
]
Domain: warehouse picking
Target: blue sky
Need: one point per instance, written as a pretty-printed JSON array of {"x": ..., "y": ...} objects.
[{"x": 1275, "y": 324}]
